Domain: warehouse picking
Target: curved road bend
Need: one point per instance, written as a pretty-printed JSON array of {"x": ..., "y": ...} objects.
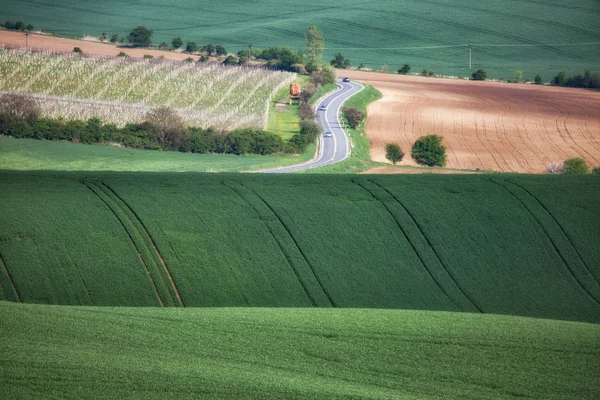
[{"x": 331, "y": 149}]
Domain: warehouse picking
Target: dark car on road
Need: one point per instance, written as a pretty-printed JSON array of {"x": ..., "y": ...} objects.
[{"x": 346, "y": 79}]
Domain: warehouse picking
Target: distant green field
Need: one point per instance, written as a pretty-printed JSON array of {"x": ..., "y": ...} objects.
[
  {"x": 519, "y": 245},
  {"x": 534, "y": 36},
  {"x": 100, "y": 352},
  {"x": 30, "y": 154}
]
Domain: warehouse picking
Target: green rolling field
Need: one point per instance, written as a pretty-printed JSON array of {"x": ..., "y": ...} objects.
[
  {"x": 537, "y": 37},
  {"x": 108, "y": 353},
  {"x": 502, "y": 244}
]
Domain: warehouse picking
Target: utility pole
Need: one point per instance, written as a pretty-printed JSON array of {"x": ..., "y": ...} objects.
[
  {"x": 470, "y": 46},
  {"x": 27, "y": 41}
]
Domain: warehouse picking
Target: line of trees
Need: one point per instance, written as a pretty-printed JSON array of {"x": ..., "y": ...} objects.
[
  {"x": 162, "y": 129},
  {"x": 18, "y": 26},
  {"x": 427, "y": 150}
]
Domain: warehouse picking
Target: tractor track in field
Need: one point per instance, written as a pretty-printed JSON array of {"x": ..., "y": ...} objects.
[
  {"x": 410, "y": 242},
  {"x": 444, "y": 266},
  {"x": 10, "y": 278},
  {"x": 278, "y": 241},
  {"x": 284, "y": 225},
  {"x": 556, "y": 247},
  {"x": 97, "y": 192},
  {"x": 154, "y": 246}
]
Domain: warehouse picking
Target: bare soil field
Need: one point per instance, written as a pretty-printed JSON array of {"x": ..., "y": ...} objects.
[
  {"x": 42, "y": 42},
  {"x": 486, "y": 125},
  {"x": 415, "y": 171}
]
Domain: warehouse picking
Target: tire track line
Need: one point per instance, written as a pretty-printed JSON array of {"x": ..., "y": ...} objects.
[
  {"x": 281, "y": 248},
  {"x": 549, "y": 237},
  {"x": 10, "y": 278},
  {"x": 559, "y": 226},
  {"x": 138, "y": 250},
  {"x": 154, "y": 246},
  {"x": 450, "y": 274},
  {"x": 312, "y": 268},
  {"x": 413, "y": 247}
]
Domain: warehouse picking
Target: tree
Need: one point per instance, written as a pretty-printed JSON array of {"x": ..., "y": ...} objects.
[
  {"x": 19, "y": 26},
  {"x": 576, "y": 165},
  {"x": 354, "y": 116},
  {"x": 114, "y": 38},
  {"x": 19, "y": 107},
  {"x": 140, "y": 36},
  {"x": 479, "y": 75},
  {"x": 560, "y": 79},
  {"x": 209, "y": 49},
  {"x": 518, "y": 75},
  {"x": 538, "y": 80},
  {"x": 404, "y": 70},
  {"x": 9, "y": 24},
  {"x": 163, "y": 46},
  {"x": 339, "y": 61},
  {"x": 167, "y": 126},
  {"x": 314, "y": 44},
  {"x": 77, "y": 50},
  {"x": 429, "y": 150},
  {"x": 310, "y": 129},
  {"x": 29, "y": 28},
  {"x": 324, "y": 76},
  {"x": 103, "y": 37},
  {"x": 220, "y": 50},
  {"x": 393, "y": 152},
  {"x": 596, "y": 171},
  {"x": 191, "y": 47},
  {"x": 177, "y": 42}
]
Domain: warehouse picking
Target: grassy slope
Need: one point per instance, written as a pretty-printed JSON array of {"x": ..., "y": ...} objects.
[
  {"x": 455, "y": 243},
  {"x": 29, "y": 154},
  {"x": 90, "y": 352},
  {"x": 385, "y": 32}
]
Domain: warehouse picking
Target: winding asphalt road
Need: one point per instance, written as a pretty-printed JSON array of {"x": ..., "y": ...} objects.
[{"x": 331, "y": 149}]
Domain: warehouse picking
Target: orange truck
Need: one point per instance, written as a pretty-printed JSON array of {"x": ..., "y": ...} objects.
[{"x": 295, "y": 89}]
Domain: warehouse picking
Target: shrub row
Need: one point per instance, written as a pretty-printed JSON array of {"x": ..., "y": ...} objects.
[{"x": 143, "y": 136}]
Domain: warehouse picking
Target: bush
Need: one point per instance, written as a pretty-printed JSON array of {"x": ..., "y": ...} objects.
[
  {"x": 538, "y": 80},
  {"x": 203, "y": 59},
  {"x": 555, "y": 168},
  {"x": 148, "y": 56},
  {"x": 230, "y": 60},
  {"x": 140, "y": 36},
  {"x": 163, "y": 46},
  {"x": 393, "y": 152},
  {"x": 306, "y": 111},
  {"x": 404, "y": 70},
  {"x": 429, "y": 150},
  {"x": 354, "y": 116},
  {"x": 596, "y": 171},
  {"x": 189, "y": 59},
  {"x": 310, "y": 129},
  {"x": 479, "y": 75},
  {"x": 560, "y": 79},
  {"x": 576, "y": 165},
  {"x": 114, "y": 38},
  {"x": 77, "y": 50},
  {"x": 325, "y": 75},
  {"x": 339, "y": 61},
  {"x": 29, "y": 27},
  {"x": 103, "y": 37},
  {"x": 19, "y": 107},
  {"x": 220, "y": 50},
  {"x": 122, "y": 54}
]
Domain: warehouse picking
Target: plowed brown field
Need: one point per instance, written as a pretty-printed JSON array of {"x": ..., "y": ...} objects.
[{"x": 486, "y": 125}]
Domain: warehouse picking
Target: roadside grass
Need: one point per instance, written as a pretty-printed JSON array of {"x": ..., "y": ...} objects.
[
  {"x": 91, "y": 352},
  {"x": 31, "y": 154}
]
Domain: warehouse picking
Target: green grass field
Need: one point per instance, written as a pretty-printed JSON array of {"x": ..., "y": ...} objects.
[
  {"x": 29, "y": 154},
  {"x": 101, "y": 353},
  {"x": 517, "y": 245},
  {"x": 533, "y": 36}
]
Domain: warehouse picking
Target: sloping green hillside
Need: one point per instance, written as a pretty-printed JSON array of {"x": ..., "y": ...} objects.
[
  {"x": 537, "y": 37},
  {"x": 150, "y": 353},
  {"x": 522, "y": 245}
]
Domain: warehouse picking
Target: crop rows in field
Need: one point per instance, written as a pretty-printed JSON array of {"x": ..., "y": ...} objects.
[
  {"x": 517, "y": 245},
  {"x": 119, "y": 90}
]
